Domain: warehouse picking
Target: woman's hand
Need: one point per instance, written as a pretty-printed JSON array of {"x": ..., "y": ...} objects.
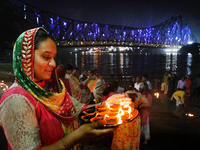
[
  {"x": 92, "y": 131},
  {"x": 86, "y": 132}
]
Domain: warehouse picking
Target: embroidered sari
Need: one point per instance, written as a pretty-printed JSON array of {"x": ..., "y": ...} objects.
[
  {"x": 127, "y": 136},
  {"x": 33, "y": 115},
  {"x": 86, "y": 96},
  {"x": 75, "y": 87}
]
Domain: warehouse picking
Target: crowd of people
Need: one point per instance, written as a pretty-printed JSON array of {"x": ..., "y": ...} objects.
[
  {"x": 178, "y": 90},
  {"x": 40, "y": 110}
]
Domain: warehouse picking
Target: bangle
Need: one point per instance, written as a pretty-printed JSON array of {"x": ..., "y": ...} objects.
[{"x": 62, "y": 144}]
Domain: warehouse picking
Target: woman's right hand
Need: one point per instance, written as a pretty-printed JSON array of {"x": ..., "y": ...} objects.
[
  {"x": 86, "y": 132},
  {"x": 92, "y": 131}
]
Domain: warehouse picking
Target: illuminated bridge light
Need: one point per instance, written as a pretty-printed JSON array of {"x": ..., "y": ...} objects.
[
  {"x": 51, "y": 20},
  {"x": 174, "y": 31}
]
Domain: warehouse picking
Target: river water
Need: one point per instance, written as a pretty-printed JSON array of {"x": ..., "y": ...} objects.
[{"x": 127, "y": 64}]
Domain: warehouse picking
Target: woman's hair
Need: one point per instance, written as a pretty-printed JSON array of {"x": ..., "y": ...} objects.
[
  {"x": 41, "y": 36},
  {"x": 133, "y": 96},
  {"x": 112, "y": 87},
  {"x": 69, "y": 67},
  {"x": 146, "y": 89}
]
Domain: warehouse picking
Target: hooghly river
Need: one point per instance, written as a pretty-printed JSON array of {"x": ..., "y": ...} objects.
[{"x": 127, "y": 64}]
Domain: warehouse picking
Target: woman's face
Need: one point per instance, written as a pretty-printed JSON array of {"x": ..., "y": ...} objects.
[
  {"x": 142, "y": 85},
  {"x": 44, "y": 60}
]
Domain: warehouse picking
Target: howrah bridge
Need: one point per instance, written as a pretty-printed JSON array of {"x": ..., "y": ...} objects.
[{"x": 173, "y": 32}]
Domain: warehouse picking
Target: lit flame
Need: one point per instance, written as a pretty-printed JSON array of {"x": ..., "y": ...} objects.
[
  {"x": 129, "y": 111},
  {"x": 119, "y": 115},
  {"x": 3, "y": 86},
  {"x": 156, "y": 94},
  {"x": 190, "y": 115},
  {"x": 118, "y": 108}
]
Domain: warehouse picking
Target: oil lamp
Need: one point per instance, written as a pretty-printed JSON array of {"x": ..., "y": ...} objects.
[
  {"x": 189, "y": 115},
  {"x": 156, "y": 94}
]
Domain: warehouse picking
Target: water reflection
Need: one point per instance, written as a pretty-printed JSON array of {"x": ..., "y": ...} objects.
[
  {"x": 76, "y": 60},
  {"x": 171, "y": 63},
  {"x": 168, "y": 61},
  {"x": 189, "y": 63},
  {"x": 130, "y": 64},
  {"x": 174, "y": 63},
  {"x": 121, "y": 62}
]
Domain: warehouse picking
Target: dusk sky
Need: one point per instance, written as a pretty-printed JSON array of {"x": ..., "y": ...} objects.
[{"x": 132, "y": 13}]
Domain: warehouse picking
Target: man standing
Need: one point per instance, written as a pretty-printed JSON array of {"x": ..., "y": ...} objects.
[
  {"x": 145, "y": 79},
  {"x": 182, "y": 84},
  {"x": 137, "y": 83}
]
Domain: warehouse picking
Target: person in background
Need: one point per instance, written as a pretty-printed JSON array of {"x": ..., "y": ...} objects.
[
  {"x": 145, "y": 112},
  {"x": 36, "y": 111},
  {"x": 127, "y": 136},
  {"x": 110, "y": 89},
  {"x": 84, "y": 75},
  {"x": 165, "y": 84},
  {"x": 196, "y": 92},
  {"x": 92, "y": 83},
  {"x": 108, "y": 92},
  {"x": 86, "y": 96},
  {"x": 179, "y": 96},
  {"x": 182, "y": 84},
  {"x": 172, "y": 85},
  {"x": 99, "y": 88},
  {"x": 120, "y": 88},
  {"x": 75, "y": 84},
  {"x": 69, "y": 69},
  {"x": 137, "y": 83},
  {"x": 145, "y": 78},
  {"x": 60, "y": 70},
  {"x": 131, "y": 83},
  {"x": 189, "y": 83}
]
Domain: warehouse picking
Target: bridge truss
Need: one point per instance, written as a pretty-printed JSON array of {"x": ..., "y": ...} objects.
[{"x": 68, "y": 32}]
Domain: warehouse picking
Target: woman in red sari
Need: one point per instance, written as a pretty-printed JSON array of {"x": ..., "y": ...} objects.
[
  {"x": 145, "y": 112},
  {"x": 127, "y": 136},
  {"x": 36, "y": 111}
]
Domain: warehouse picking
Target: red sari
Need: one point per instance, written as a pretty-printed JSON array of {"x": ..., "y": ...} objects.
[{"x": 49, "y": 131}]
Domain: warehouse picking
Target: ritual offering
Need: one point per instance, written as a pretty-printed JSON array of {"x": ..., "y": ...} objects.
[{"x": 116, "y": 110}]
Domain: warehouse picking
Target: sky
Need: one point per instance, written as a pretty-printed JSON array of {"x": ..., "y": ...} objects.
[{"x": 132, "y": 13}]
